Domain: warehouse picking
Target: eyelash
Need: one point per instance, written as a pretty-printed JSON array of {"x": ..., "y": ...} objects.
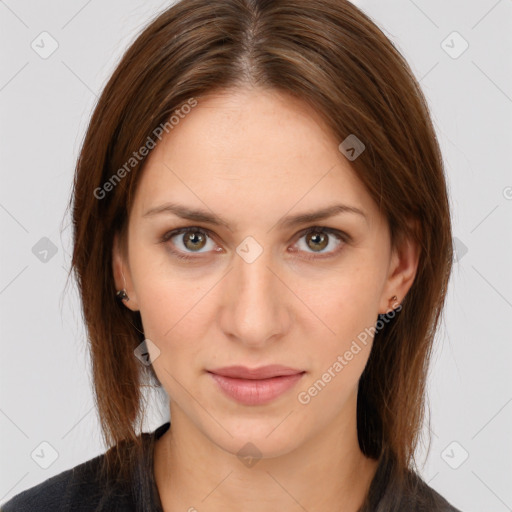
[{"x": 340, "y": 235}]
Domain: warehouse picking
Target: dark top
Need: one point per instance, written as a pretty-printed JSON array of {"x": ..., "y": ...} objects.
[{"x": 78, "y": 490}]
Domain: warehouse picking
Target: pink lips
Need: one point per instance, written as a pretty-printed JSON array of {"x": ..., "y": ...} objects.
[{"x": 256, "y": 386}]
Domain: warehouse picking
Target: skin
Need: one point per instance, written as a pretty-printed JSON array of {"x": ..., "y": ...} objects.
[{"x": 253, "y": 157}]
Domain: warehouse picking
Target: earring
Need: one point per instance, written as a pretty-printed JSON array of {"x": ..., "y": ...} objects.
[
  {"x": 121, "y": 294},
  {"x": 394, "y": 299}
]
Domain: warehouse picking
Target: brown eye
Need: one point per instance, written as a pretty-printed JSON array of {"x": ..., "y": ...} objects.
[
  {"x": 194, "y": 240},
  {"x": 317, "y": 241},
  {"x": 187, "y": 241}
]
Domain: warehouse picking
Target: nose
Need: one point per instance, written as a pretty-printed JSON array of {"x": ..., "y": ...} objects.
[{"x": 256, "y": 309}]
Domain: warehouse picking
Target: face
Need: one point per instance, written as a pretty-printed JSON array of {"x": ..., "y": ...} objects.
[{"x": 257, "y": 289}]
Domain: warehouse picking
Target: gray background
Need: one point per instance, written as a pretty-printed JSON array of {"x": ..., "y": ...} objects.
[{"x": 45, "y": 104}]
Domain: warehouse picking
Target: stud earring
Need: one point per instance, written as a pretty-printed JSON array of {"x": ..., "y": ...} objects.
[
  {"x": 121, "y": 294},
  {"x": 394, "y": 300}
]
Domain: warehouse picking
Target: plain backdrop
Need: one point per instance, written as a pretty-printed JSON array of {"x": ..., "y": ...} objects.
[{"x": 459, "y": 50}]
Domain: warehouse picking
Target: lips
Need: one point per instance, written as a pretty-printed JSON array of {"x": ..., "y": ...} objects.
[
  {"x": 264, "y": 372},
  {"x": 257, "y": 386}
]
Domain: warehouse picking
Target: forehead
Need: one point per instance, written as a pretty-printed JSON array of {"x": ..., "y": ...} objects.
[{"x": 250, "y": 150}]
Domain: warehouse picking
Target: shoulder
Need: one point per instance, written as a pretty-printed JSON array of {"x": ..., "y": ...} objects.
[
  {"x": 392, "y": 491},
  {"x": 425, "y": 499},
  {"x": 75, "y": 489}
]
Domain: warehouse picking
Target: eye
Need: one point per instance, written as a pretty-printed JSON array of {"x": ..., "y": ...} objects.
[
  {"x": 192, "y": 239},
  {"x": 318, "y": 238}
]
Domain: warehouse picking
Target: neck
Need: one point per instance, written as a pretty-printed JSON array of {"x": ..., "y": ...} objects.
[{"x": 324, "y": 472}]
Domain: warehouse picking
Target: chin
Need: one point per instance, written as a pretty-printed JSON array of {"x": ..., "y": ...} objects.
[{"x": 257, "y": 437}]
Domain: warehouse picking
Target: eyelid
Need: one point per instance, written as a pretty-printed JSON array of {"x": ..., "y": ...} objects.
[
  {"x": 342, "y": 236},
  {"x": 179, "y": 231}
]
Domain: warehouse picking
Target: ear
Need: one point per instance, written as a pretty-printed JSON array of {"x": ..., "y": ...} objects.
[
  {"x": 122, "y": 275},
  {"x": 402, "y": 270}
]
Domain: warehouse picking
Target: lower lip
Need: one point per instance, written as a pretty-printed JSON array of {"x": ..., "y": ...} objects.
[{"x": 256, "y": 391}]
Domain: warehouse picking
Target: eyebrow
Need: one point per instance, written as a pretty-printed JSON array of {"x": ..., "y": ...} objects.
[{"x": 198, "y": 215}]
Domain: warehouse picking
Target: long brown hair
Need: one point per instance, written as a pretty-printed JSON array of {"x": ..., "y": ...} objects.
[{"x": 331, "y": 55}]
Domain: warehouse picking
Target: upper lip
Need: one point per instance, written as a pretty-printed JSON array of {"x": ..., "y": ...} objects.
[{"x": 263, "y": 372}]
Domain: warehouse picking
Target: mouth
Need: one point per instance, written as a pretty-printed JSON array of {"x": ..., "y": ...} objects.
[{"x": 257, "y": 386}]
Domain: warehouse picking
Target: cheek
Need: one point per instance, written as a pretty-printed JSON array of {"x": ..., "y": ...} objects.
[
  {"x": 161, "y": 296},
  {"x": 172, "y": 310},
  {"x": 177, "y": 329},
  {"x": 339, "y": 359},
  {"x": 348, "y": 306},
  {"x": 348, "y": 313},
  {"x": 171, "y": 313}
]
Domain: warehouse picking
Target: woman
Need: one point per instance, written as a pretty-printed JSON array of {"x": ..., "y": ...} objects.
[{"x": 261, "y": 219}]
